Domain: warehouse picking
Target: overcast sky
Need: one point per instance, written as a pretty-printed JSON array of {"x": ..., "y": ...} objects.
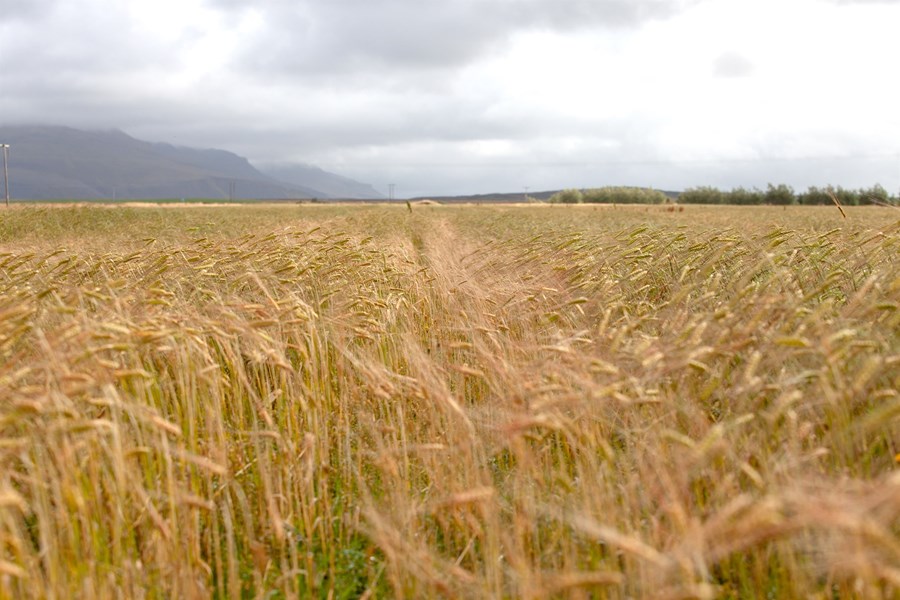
[{"x": 467, "y": 96}]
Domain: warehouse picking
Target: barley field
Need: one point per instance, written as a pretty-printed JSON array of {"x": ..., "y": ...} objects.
[{"x": 449, "y": 402}]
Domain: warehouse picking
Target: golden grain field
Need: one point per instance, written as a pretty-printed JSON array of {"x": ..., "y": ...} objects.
[{"x": 453, "y": 402}]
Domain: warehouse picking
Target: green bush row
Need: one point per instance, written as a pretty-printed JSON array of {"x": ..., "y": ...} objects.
[
  {"x": 784, "y": 194},
  {"x": 609, "y": 195}
]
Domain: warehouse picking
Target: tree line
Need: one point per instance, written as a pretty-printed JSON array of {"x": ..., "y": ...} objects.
[
  {"x": 785, "y": 195},
  {"x": 773, "y": 194},
  {"x": 610, "y": 195}
]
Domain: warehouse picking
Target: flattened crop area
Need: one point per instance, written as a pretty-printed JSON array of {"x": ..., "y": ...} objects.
[{"x": 449, "y": 402}]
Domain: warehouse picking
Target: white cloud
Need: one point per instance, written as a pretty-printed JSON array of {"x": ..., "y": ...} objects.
[
  {"x": 469, "y": 95},
  {"x": 732, "y": 64}
]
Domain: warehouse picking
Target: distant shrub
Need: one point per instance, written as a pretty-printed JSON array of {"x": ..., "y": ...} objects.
[
  {"x": 874, "y": 195},
  {"x": 815, "y": 196},
  {"x": 702, "y": 195},
  {"x": 847, "y": 197},
  {"x": 744, "y": 196},
  {"x": 780, "y": 194},
  {"x": 570, "y": 196},
  {"x": 624, "y": 195}
]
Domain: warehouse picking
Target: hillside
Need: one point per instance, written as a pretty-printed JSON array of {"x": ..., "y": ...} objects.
[
  {"x": 335, "y": 186},
  {"x": 61, "y": 162}
]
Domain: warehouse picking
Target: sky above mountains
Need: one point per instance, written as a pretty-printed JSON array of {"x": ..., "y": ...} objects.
[{"x": 467, "y": 96}]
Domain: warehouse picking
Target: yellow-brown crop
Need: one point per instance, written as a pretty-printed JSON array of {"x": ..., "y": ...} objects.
[{"x": 464, "y": 402}]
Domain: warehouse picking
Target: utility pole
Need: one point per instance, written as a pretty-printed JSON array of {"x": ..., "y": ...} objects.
[
  {"x": 6, "y": 171},
  {"x": 391, "y": 190}
]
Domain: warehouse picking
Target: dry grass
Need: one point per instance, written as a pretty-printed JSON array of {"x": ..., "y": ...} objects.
[{"x": 453, "y": 402}]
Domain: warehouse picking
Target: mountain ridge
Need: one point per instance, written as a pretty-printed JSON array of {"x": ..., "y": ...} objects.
[
  {"x": 54, "y": 162},
  {"x": 300, "y": 174}
]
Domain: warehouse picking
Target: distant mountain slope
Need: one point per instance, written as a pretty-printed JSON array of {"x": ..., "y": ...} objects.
[
  {"x": 60, "y": 162},
  {"x": 333, "y": 185}
]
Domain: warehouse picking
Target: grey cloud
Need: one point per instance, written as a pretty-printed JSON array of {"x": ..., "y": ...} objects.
[
  {"x": 866, "y": 1},
  {"x": 732, "y": 64},
  {"x": 17, "y": 10},
  {"x": 410, "y": 123},
  {"x": 56, "y": 43},
  {"x": 574, "y": 14},
  {"x": 334, "y": 40},
  {"x": 306, "y": 38}
]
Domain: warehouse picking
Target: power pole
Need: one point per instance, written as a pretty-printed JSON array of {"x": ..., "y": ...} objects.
[
  {"x": 391, "y": 191},
  {"x": 6, "y": 171}
]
